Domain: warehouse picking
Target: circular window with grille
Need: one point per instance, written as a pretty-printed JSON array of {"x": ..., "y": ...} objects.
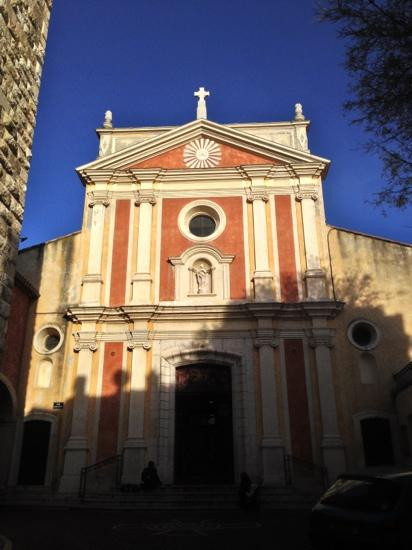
[
  {"x": 202, "y": 220},
  {"x": 48, "y": 339},
  {"x": 363, "y": 334}
]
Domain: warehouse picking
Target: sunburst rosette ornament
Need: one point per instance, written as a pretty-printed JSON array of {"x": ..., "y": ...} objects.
[{"x": 202, "y": 153}]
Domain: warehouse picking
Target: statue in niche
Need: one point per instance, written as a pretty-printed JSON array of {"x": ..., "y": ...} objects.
[{"x": 203, "y": 277}]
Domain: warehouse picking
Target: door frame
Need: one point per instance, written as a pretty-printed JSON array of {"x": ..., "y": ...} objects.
[{"x": 243, "y": 454}]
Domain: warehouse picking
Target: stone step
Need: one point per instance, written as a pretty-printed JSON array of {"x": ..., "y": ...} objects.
[{"x": 166, "y": 498}]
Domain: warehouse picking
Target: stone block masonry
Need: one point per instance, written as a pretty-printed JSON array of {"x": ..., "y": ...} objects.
[{"x": 23, "y": 31}]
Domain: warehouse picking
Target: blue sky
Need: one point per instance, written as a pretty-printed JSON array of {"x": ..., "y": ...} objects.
[{"x": 143, "y": 59}]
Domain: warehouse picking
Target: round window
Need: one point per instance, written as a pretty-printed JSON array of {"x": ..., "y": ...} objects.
[
  {"x": 202, "y": 226},
  {"x": 363, "y": 334},
  {"x": 48, "y": 339},
  {"x": 202, "y": 220}
]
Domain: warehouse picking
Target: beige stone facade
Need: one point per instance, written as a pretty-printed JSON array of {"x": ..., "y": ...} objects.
[
  {"x": 23, "y": 31},
  {"x": 207, "y": 318}
]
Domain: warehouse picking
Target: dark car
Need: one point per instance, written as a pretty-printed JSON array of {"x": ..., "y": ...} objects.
[{"x": 360, "y": 511}]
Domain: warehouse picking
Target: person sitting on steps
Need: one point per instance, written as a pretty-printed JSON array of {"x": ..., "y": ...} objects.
[
  {"x": 248, "y": 493},
  {"x": 150, "y": 478}
]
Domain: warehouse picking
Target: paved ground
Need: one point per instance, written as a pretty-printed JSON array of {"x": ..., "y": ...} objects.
[{"x": 44, "y": 529}]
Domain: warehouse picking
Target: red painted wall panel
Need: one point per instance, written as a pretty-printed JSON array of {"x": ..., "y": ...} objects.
[
  {"x": 286, "y": 249},
  {"x": 229, "y": 242},
  {"x": 231, "y": 156},
  {"x": 298, "y": 400},
  {"x": 110, "y": 400},
  {"x": 120, "y": 249},
  {"x": 16, "y": 332}
]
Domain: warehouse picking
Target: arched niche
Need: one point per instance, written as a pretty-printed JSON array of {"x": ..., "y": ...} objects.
[{"x": 202, "y": 273}]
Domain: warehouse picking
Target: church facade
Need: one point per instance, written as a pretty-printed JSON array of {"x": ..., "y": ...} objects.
[{"x": 206, "y": 317}]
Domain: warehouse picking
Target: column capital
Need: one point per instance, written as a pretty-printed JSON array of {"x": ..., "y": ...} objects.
[
  {"x": 257, "y": 195},
  {"x": 99, "y": 197},
  {"x": 144, "y": 196},
  {"x": 133, "y": 344},
  {"x": 266, "y": 337},
  {"x": 307, "y": 194},
  {"x": 321, "y": 337},
  {"x": 85, "y": 340}
]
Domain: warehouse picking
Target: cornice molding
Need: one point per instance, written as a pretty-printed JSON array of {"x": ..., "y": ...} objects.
[
  {"x": 201, "y": 248},
  {"x": 183, "y": 134},
  {"x": 241, "y": 309}
]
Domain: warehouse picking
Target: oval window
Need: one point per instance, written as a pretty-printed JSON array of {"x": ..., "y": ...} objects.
[
  {"x": 202, "y": 225},
  {"x": 48, "y": 339},
  {"x": 363, "y": 334}
]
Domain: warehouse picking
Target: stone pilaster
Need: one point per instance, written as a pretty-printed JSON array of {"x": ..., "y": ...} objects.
[
  {"x": 92, "y": 281},
  {"x": 331, "y": 443},
  {"x": 262, "y": 277},
  {"x": 134, "y": 449},
  {"x": 314, "y": 275},
  {"x": 142, "y": 280},
  {"x": 77, "y": 447},
  {"x": 272, "y": 445}
]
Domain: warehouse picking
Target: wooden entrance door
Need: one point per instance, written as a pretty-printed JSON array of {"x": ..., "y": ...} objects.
[{"x": 203, "y": 429}]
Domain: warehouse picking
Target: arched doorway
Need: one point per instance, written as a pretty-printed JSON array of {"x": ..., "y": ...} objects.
[
  {"x": 7, "y": 431},
  {"x": 35, "y": 452},
  {"x": 203, "y": 424}
]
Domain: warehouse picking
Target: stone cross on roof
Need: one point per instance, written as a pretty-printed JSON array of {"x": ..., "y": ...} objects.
[{"x": 201, "y": 103}]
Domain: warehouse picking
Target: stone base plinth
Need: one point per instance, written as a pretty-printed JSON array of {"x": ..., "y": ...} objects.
[
  {"x": 75, "y": 458},
  {"x": 272, "y": 461},
  {"x": 134, "y": 456},
  {"x": 141, "y": 283}
]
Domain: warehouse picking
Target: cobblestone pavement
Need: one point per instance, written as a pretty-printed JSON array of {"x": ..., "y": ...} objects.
[{"x": 129, "y": 530}]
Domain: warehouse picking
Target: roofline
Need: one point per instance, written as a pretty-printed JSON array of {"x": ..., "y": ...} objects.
[
  {"x": 191, "y": 129},
  {"x": 125, "y": 129},
  {"x": 409, "y": 245},
  {"x": 50, "y": 241},
  {"x": 23, "y": 283}
]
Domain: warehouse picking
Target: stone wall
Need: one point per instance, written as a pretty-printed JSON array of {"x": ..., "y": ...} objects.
[{"x": 23, "y": 31}]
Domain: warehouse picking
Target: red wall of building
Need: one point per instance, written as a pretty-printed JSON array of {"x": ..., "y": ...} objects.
[
  {"x": 110, "y": 400},
  {"x": 298, "y": 399},
  {"x": 120, "y": 249},
  {"x": 229, "y": 242},
  {"x": 231, "y": 156},
  {"x": 286, "y": 249}
]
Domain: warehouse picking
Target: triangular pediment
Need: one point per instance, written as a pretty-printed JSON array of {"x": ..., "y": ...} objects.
[{"x": 201, "y": 144}]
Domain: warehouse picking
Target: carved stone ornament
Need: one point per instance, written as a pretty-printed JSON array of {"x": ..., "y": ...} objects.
[
  {"x": 299, "y": 112},
  {"x": 132, "y": 344},
  {"x": 108, "y": 120},
  {"x": 255, "y": 195},
  {"x": 302, "y": 195},
  {"x": 85, "y": 341},
  {"x": 98, "y": 197},
  {"x": 202, "y": 153},
  {"x": 142, "y": 196},
  {"x": 266, "y": 338},
  {"x": 318, "y": 340}
]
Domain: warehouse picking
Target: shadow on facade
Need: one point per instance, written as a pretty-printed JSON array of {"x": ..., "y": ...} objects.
[
  {"x": 371, "y": 346},
  {"x": 226, "y": 383}
]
